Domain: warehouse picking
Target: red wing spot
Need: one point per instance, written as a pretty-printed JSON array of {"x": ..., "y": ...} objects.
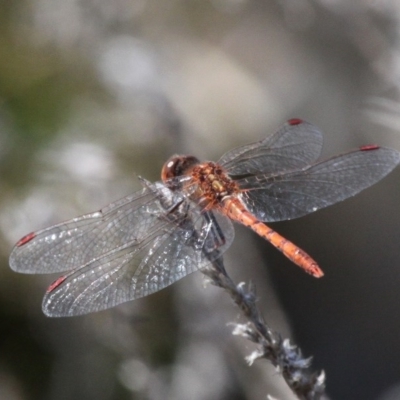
[
  {"x": 56, "y": 284},
  {"x": 295, "y": 121},
  {"x": 369, "y": 147},
  {"x": 27, "y": 238}
]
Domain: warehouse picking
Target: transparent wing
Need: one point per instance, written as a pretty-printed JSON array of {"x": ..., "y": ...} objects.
[
  {"x": 129, "y": 249},
  {"x": 73, "y": 243},
  {"x": 296, "y": 144},
  {"x": 171, "y": 250},
  {"x": 293, "y": 194}
]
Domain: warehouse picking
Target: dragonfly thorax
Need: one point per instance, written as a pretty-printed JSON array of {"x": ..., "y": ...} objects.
[{"x": 213, "y": 182}]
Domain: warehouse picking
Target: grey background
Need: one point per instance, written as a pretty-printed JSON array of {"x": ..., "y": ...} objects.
[{"x": 94, "y": 93}]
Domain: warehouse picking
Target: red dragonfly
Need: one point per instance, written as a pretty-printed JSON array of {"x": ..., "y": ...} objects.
[{"x": 150, "y": 239}]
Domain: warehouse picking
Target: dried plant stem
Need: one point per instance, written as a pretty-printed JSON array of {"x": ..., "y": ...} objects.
[{"x": 287, "y": 358}]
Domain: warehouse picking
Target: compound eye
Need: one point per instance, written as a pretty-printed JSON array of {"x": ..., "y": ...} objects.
[
  {"x": 169, "y": 168},
  {"x": 177, "y": 166}
]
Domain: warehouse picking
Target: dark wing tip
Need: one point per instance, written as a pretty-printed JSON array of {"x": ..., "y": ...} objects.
[
  {"x": 369, "y": 147},
  {"x": 56, "y": 284},
  {"x": 295, "y": 121},
  {"x": 27, "y": 238},
  {"x": 18, "y": 261}
]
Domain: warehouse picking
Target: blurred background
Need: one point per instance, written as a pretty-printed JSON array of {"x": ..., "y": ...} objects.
[{"x": 94, "y": 93}]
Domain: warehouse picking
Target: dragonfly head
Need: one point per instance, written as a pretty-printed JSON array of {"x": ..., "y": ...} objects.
[{"x": 178, "y": 166}]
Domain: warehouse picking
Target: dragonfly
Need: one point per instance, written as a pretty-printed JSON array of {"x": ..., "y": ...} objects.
[{"x": 150, "y": 239}]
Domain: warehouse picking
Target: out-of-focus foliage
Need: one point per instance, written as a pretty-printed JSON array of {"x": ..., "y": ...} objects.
[{"x": 95, "y": 92}]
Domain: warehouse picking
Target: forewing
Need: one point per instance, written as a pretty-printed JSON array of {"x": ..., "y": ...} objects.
[
  {"x": 294, "y": 194},
  {"x": 172, "y": 250},
  {"x": 76, "y": 242},
  {"x": 296, "y": 144}
]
